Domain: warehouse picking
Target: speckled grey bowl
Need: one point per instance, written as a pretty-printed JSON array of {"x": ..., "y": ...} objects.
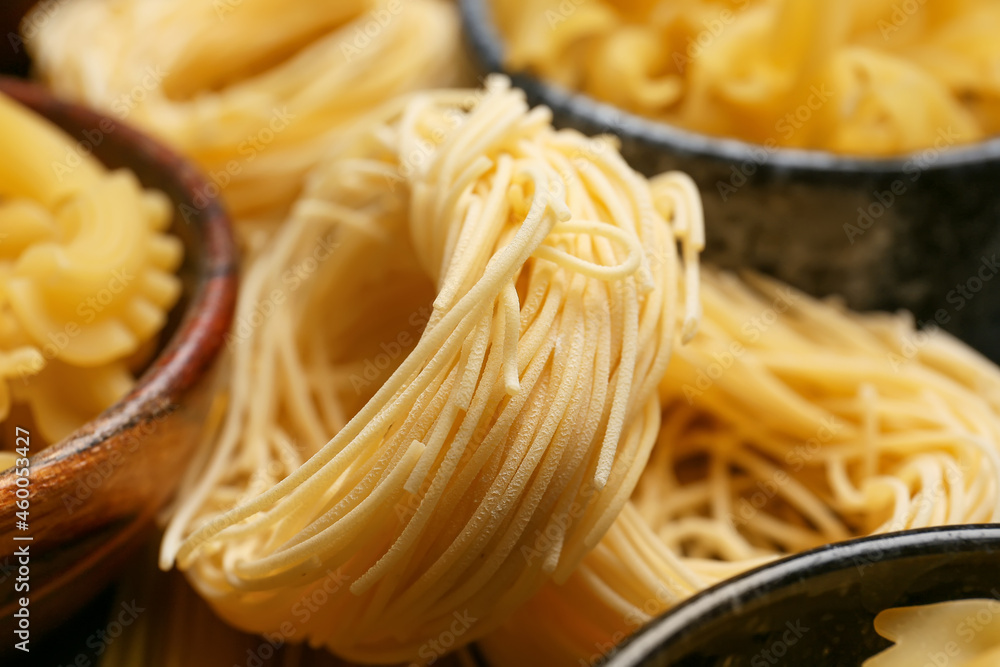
[
  {"x": 819, "y": 607},
  {"x": 918, "y": 232}
]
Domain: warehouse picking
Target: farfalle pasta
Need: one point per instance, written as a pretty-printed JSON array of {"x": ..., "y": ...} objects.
[{"x": 86, "y": 275}]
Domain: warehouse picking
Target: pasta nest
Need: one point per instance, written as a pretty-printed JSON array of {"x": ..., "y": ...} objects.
[
  {"x": 251, "y": 91},
  {"x": 479, "y": 310},
  {"x": 788, "y": 424}
]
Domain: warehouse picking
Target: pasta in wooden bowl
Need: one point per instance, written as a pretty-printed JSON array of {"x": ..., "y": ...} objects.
[{"x": 87, "y": 274}]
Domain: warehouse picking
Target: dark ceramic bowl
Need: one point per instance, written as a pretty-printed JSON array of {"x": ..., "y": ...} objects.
[
  {"x": 818, "y": 608},
  {"x": 918, "y": 232},
  {"x": 94, "y": 494}
]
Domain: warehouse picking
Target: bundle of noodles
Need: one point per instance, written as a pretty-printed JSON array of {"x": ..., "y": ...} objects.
[
  {"x": 870, "y": 77},
  {"x": 167, "y": 624},
  {"x": 787, "y": 424},
  {"x": 479, "y": 310},
  {"x": 251, "y": 90}
]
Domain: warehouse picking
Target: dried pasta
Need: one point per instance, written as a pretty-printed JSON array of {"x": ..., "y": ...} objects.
[
  {"x": 788, "y": 423},
  {"x": 963, "y": 633},
  {"x": 86, "y": 276},
  {"x": 252, "y": 91},
  {"x": 858, "y": 76},
  {"x": 478, "y": 309}
]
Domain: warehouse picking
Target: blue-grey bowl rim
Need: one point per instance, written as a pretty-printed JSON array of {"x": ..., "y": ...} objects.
[{"x": 488, "y": 46}]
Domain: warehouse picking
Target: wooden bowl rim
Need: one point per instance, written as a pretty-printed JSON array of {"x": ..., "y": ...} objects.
[{"x": 187, "y": 356}]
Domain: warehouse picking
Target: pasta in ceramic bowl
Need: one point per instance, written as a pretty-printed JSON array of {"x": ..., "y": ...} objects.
[
  {"x": 111, "y": 314},
  {"x": 923, "y": 597},
  {"x": 876, "y": 126}
]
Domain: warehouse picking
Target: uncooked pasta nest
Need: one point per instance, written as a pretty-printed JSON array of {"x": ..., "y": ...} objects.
[
  {"x": 464, "y": 325},
  {"x": 252, "y": 90},
  {"x": 788, "y": 423},
  {"x": 864, "y": 77},
  {"x": 86, "y": 276}
]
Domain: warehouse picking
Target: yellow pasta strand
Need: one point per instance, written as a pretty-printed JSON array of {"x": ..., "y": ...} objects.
[
  {"x": 254, "y": 92},
  {"x": 788, "y": 423},
  {"x": 478, "y": 309}
]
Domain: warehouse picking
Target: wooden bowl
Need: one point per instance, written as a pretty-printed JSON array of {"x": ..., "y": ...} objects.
[{"x": 94, "y": 494}]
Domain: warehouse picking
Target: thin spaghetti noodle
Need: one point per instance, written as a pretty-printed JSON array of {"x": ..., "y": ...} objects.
[
  {"x": 479, "y": 310},
  {"x": 252, "y": 91},
  {"x": 788, "y": 423}
]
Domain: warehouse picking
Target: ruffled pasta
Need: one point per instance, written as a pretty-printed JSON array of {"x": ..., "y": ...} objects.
[
  {"x": 856, "y": 77},
  {"x": 86, "y": 275},
  {"x": 486, "y": 308}
]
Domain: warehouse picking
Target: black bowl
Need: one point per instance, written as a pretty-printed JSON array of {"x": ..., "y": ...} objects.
[
  {"x": 918, "y": 232},
  {"x": 818, "y": 608}
]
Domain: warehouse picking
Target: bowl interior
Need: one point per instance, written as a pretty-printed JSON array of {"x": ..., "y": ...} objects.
[
  {"x": 486, "y": 46},
  {"x": 819, "y": 607},
  {"x": 94, "y": 494},
  {"x": 198, "y": 221}
]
